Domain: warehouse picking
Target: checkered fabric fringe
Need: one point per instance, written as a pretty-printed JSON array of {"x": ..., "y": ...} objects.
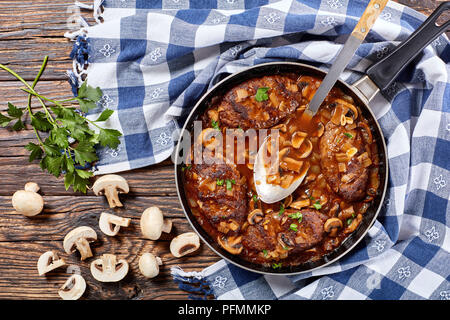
[{"x": 154, "y": 59}]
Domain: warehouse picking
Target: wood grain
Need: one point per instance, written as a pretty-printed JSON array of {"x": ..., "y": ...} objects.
[{"x": 30, "y": 29}]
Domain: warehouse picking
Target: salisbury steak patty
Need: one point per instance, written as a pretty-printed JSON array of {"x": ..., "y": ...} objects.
[
  {"x": 302, "y": 229},
  {"x": 241, "y": 107},
  {"x": 219, "y": 191},
  {"x": 350, "y": 184}
]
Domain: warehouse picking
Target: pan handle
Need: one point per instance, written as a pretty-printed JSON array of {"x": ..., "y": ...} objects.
[{"x": 384, "y": 72}]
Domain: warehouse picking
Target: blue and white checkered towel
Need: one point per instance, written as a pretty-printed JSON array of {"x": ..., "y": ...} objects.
[{"x": 154, "y": 59}]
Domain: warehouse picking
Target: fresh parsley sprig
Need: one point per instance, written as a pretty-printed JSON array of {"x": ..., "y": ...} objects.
[{"x": 65, "y": 142}]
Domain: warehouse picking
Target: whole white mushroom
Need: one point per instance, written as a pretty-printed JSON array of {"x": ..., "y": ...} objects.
[
  {"x": 28, "y": 202},
  {"x": 149, "y": 265}
]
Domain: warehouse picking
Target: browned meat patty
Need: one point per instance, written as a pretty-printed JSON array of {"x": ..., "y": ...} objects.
[
  {"x": 350, "y": 184},
  {"x": 305, "y": 232},
  {"x": 255, "y": 238},
  {"x": 240, "y": 108},
  {"x": 219, "y": 191}
]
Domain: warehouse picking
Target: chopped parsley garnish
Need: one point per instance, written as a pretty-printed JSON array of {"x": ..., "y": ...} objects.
[
  {"x": 297, "y": 215},
  {"x": 349, "y": 221},
  {"x": 219, "y": 182},
  {"x": 281, "y": 209},
  {"x": 293, "y": 227},
  {"x": 312, "y": 198},
  {"x": 255, "y": 198},
  {"x": 186, "y": 167},
  {"x": 317, "y": 205},
  {"x": 215, "y": 124},
  {"x": 276, "y": 265},
  {"x": 265, "y": 252},
  {"x": 348, "y": 135},
  {"x": 261, "y": 94},
  {"x": 230, "y": 183}
]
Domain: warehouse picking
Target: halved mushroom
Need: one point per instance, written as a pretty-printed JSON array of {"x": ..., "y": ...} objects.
[
  {"x": 320, "y": 130},
  {"x": 78, "y": 239},
  {"x": 73, "y": 288},
  {"x": 255, "y": 216},
  {"x": 231, "y": 244},
  {"x": 297, "y": 139},
  {"x": 285, "y": 241},
  {"x": 110, "y": 224},
  {"x": 149, "y": 265},
  {"x": 184, "y": 244},
  {"x": 332, "y": 226},
  {"x": 108, "y": 269},
  {"x": 153, "y": 223},
  {"x": 308, "y": 149},
  {"x": 49, "y": 261},
  {"x": 28, "y": 202},
  {"x": 111, "y": 185}
]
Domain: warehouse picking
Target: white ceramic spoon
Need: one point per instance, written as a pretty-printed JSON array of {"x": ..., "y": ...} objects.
[{"x": 270, "y": 193}]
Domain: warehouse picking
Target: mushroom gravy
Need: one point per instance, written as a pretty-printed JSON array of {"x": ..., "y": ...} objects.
[{"x": 336, "y": 148}]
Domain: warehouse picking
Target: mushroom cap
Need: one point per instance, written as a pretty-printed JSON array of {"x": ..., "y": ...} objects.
[
  {"x": 31, "y": 186},
  {"x": 28, "y": 203},
  {"x": 332, "y": 223},
  {"x": 108, "y": 269},
  {"x": 184, "y": 244},
  {"x": 49, "y": 261},
  {"x": 73, "y": 288},
  {"x": 149, "y": 265},
  {"x": 153, "y": 223},
  {"x": 83, "y": 232},
  {"x": 110, "y": 224},
  {"x": 112, "y": 181}
]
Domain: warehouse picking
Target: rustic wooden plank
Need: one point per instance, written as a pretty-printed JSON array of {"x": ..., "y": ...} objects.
[
  {"x": 19, "y": 278},
  {"x": 61, "y": 214},
  {"x": 16, "y": 171},
  {"x": 10, "y": 90}
]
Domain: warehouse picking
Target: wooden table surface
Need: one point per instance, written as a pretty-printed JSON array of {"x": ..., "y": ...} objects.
[{"x": 28, "y": 31}]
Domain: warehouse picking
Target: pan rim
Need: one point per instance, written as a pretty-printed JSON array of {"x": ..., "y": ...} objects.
[{"x": 352, "y": 89}]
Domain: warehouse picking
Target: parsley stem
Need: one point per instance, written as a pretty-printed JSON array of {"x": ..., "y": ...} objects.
[{"x": 28, "y": 86}]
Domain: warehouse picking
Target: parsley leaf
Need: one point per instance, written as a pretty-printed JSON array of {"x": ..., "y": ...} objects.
[
  {"x": 36, "y": 151},
  {"x": 109, "y": 137},
  {"x": 215, "y": 124},
  {"x": 281, "y": 209},
  {"x": 261, "y": 94},
  {"x": 276, "y": 265},
  {"x": 4, "y": 120},
  {"x": 265, "y": 252},
  {"x": 13, "y": 111},
  {"x": 317, "y": 205},
  {"x": 293, "y": 227},
  {"x": 255, "y": 198},
  {"x": 349, "y": 135},
  {"x": 219, "y": 182},
  {"x": 106, "y": 114}
]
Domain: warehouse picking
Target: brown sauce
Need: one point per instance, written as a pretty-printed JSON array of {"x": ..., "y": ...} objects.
[{"x": 341, "y": 182}]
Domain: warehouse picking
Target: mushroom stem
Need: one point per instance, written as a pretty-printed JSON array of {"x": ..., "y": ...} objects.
[
  {"x": 167, "y": 226},
  {"x": 84, "y": 248},
  {"x": 159, "y": 261},
  {"x": 113, "y": 197}
]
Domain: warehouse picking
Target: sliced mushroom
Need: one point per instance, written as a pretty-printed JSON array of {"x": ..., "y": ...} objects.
[
  {"x": 231, "y": 244},
  {"x": 255, "y": 216},
  {"x": 111, "y": 185},
  {"x": 184, "y": 244},
  {"x": 110, "y": 224},
  {"x": 78, "y": 239},
  {"x": 149, "y": 265},
  {"x": 309, "y": 148},
  {"x": 153, "y": 223},
  {"x": 28, "y": 202},
  {"x": 297, "y": 139},
  {"x": 332, "y": 226},
  {"x": 49, "y": 261},
  {"x": 320, "y": 130},
  {"x": 73, "y": 288},
  {"x": 108, "y": 269},
  {"x": 285, "y": 241}
]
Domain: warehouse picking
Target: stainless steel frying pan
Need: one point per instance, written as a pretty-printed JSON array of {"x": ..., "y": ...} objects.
[{"x": 379, "y": 77}]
